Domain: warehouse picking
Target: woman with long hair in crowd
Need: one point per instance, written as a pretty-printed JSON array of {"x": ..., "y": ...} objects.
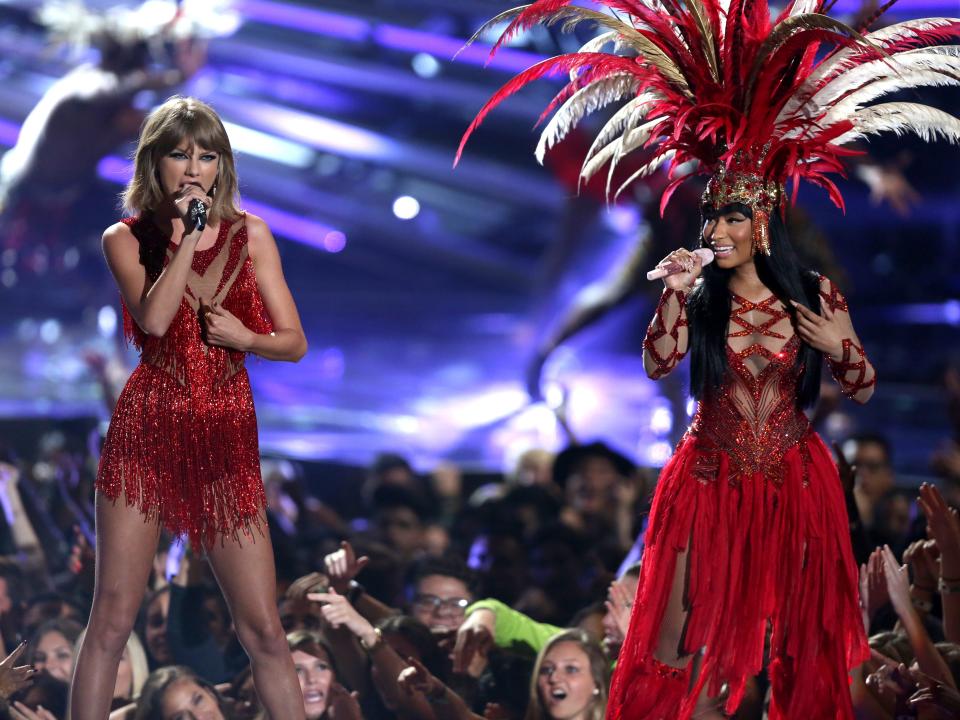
[
  {"x": 570, "y": 679},
  {"x": 176, "y": 692},
  {"x": 748, "y": 528},
  {"x": 201, "y": 286}
]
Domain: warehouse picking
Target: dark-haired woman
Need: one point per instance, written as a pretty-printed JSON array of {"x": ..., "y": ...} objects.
[
  {"x": 181, "y": 451},
  {"x": 748, "y": 529}
]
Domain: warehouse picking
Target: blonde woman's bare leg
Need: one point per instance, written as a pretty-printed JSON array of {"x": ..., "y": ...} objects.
[
  {"x": 247, "y": 576},
  {"x": 126, "y": 544}
]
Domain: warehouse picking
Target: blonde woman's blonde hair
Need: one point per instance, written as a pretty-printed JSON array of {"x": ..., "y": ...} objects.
[
  {"x": 599, "y": 671},
  {"x": 179, "y": 119}
]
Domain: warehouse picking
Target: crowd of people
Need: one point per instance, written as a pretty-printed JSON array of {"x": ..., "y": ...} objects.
[{"x": 443, "y": 599}]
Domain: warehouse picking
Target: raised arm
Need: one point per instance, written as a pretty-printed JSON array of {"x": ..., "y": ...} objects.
[
  {"x": 667, "y": 337},
  {"x": 153, "y": 306},
  {"x": 831, "y": 332}
]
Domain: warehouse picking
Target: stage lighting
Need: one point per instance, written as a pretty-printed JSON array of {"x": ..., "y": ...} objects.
[{"x": 406, "y": 207}]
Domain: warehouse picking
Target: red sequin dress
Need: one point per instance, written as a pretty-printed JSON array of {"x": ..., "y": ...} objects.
[
  {"x": 753, "y": 496},
  {"x": 182, "y": 443}
]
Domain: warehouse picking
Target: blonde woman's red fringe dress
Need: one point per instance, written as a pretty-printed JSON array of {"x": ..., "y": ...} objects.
[{"x": 182, "y": 443}]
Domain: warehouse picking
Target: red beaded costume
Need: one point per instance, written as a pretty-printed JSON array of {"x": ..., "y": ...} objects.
[
  {"x": 752, "y": 494},
  {"x": 182, "y": 444},
  {"x": 756, "y": 100}
]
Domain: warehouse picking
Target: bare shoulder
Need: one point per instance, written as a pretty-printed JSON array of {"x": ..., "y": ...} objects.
[
  {"x": 118, "y": 239},
  {"x": 259, "y": 237},
  {"x": 118, "y": 232}
]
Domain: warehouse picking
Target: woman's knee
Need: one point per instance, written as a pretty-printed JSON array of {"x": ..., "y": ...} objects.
[
  {"x": 111, "y": 619},
  {"x": 262, "y": 634}
]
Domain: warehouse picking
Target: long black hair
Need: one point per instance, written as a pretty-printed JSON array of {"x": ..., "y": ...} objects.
[{"x": 709, "y": 307}]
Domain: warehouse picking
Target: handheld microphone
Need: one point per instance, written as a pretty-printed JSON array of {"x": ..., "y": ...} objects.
[
  {"x": 198, "y": 213},
  {"x": 672, "y": 268}
]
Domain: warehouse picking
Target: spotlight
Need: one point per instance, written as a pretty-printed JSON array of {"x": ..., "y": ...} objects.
[
  {"x": 425, "y": 65},
  {"x": 406, "y": 207},
  {"x": 334, "y": 241},
  {"x": 107, "y": 321}
]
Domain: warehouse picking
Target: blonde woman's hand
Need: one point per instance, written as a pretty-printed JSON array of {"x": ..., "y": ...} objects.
[{"x": 223, "y": 328}]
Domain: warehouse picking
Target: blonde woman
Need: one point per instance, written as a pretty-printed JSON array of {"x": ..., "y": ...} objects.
[
  {"x": 202, "y": 286},
  {"x": 570, "y": 679}
]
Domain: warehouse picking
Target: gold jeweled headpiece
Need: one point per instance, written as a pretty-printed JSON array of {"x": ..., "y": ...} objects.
[{"x": 743, "y": 183}]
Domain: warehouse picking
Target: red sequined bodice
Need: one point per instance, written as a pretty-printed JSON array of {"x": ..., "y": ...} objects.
[
  {"x": 753, "y": 417},
  {"x": 223, "y": 273}
]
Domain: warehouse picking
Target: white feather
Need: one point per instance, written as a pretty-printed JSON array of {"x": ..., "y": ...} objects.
[
  {"x": 852, "y": 89},
  {"x": 597, "y": 43},
  {"x": 802, "y": 7},
  {"x": 901, "y": 118},
  {"x": 625, "y": 143},
  {"x": 632, "y": 139},
  {"x": 615, "y": 125},
  {"x": 883, "y": 37},
  {"x": 648, "y": 169},
  {"x": 856, "y": 100},
  {"x": 583, "y": 102}
]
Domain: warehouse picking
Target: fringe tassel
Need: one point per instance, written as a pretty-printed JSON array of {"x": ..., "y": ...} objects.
[
  {"x": 760, "y": 554},
  {"x": 185, "y": 458}
]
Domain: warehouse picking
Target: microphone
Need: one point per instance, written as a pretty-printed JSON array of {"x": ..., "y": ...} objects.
[
  {"x": 672, "y": 268},
  {"x": 198, "y": 213}
]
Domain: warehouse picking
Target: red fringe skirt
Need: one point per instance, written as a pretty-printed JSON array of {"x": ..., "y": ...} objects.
[
  {"x": 185, "y": 454},
  {"x": 760, "y": 554}
]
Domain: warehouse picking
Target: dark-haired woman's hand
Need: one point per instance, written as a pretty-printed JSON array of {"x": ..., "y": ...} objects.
[
  {"x": 824, "y": 332},
  {"x": 693, "y": 265}
]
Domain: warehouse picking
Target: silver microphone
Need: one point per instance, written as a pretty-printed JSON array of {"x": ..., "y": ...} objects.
[{"x": 198, "y": 213}]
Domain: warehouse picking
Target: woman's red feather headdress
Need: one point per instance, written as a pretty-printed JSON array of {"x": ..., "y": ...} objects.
[{"x": 722, "y": 87}]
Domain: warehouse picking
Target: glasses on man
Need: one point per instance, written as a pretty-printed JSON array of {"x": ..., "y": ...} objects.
[{"x": 438, "y": 605}]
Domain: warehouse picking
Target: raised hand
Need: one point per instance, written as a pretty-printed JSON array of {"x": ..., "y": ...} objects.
[
  {"x": 417, "y": 679},
  {"x": 921, "y": 556},
  {"x": 936, "y": 701},
  {"x": 338, "y": 611},
  {"x": 898, "y": 583},
  {"x": 343, "y": 565},
  {"x": 619, "y": 603},
  {"x": 693, "y": 265},
  {"x": 314, "y": 582},
  {"x": 19, "y": 711},
  {"x": 474, "y": 639},
  {"x": 14, "y": 678},
  {"x": 343, "y": 705},
  {"x": 944, "y": 525}
]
